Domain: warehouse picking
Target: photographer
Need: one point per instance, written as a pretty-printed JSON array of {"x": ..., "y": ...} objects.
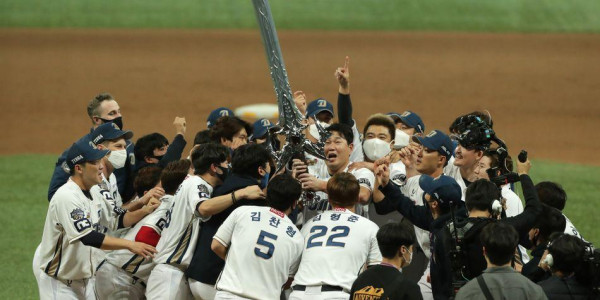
[{"x": 565, "y": 259}]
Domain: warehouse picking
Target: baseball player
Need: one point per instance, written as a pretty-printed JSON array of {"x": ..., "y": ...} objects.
[
  {"x": 180, "y": 234},
  {"x": 69, "y": 230},
  {"x": 552, "y": 194},
  {"x": 123, "y": 275},
  {"x": 338, "y": 148},
  {"x": 408, "y": 124},
  {"x": 260, "y": 245},
  {"x": 337, "y": 245}
]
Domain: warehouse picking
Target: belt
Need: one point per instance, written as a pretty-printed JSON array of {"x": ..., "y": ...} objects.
[{"x": 324, "y": 288}]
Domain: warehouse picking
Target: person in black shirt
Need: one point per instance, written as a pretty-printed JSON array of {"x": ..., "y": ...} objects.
[{"x": 385, "y": 281}]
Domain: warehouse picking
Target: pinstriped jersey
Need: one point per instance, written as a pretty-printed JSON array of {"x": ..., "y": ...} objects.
[
  {"x": 133, "y": 263},
  {"x": 71, "y": 215},
  {"x": 179, "y": 237}
]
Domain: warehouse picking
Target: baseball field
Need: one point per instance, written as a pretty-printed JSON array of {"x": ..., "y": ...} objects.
[{"x": 534, "y": 65}]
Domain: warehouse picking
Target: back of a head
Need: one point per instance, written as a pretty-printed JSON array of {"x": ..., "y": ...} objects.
[
  {"x": 500, "y": 241},
  {"x": 226, "y": 127},
  {"x": 567, "y": 252},
  {"x": 247, "y": 158},
  {"x": 343, "y": 190},
  {"x": 392, "y": 236},
  {"x": 283, "y": 191},
  {"x": 458, "y": 123},
  {"x": 480, "y": 195},
  {"x": 146, "y": 144},
  {"x": 344, "y": 131},
  {"x": 381, "y": 120},
  {"x": 549, "y": 221},
  {"x": 202, "y": 137},
  {"x": 146, "y": 179},
  {"x": 552, "y": 193},
  {"x": 207, "y": 154},
  {"x": 174, "y": 174}
]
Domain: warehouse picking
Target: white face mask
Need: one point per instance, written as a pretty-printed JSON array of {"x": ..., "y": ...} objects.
[
  {"x": 312, "y": 129},
  {"x": 375, "y": 148},
  {"x": 402, "y": 139},
  {"x": 410, "y": 257},
  {"x": 117, "y": 158}
]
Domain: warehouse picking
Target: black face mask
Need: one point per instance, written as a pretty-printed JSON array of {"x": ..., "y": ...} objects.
[
  {"x": 118, "y": 121},
  {"x": 223, "y": 175}
]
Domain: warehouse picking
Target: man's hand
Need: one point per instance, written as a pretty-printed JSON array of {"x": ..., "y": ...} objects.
[
  {"x": 152, "y": 205},
  {"x": 250, "y": 192},
  {"x": 142, "y": 249},
  {"x": 298, "y": 167},
  {"x": 300, "y": 100},
  {"x": 343, "y": 76},
  {"x": 408, "y": 156},
  {"x": 156, "y": 192},
  {"x": 179, "y": 124},
  {"x": 523, "y": 168},
  {"x": 543, "y": 263},
  {"x": 382, "y": 174},
  {"x": 360, "y": 165},
  {"x": 310, "y": 182}
]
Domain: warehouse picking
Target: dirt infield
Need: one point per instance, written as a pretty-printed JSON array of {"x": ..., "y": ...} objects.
[{"x": 543, "y": 90}]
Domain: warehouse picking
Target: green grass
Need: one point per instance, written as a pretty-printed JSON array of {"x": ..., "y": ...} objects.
[
  {"x": 24, "y": 182},
  {"x": 438, "y": 15}
]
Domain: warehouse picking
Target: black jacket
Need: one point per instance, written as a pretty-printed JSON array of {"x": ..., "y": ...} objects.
[{"x": 565, "y": 288}]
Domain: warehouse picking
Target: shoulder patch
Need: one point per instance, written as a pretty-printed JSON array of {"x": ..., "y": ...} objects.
[
  {"x": 203, "y": 191},
  {"x": 364, "y": 181},
  {"x": 399, "y": 179},
  {"x": 77, "y": 214}
]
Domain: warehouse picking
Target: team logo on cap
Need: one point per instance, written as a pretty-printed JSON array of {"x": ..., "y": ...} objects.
[
  {"x": 224, "y": 113},
  {"x": 405, "y": 114},
  {"x": 77, "y": 214},
  {"x": 265, "y": 122},
  {"x": 77, "y": 159},
  {"x": 322, "y": 103},
  {"x": 115, "y": 126},
  {"x": 99, "y": 137},
  {"x": 432, "y": 134}
]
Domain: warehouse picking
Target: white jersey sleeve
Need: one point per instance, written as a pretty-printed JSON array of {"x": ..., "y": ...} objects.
[
  {"x": 73, "y": 216},
  {"x": 365, "y": 177},
  {"x": 398, "y": 173},
  {"x": 225, "y": 231},
  {"x": 571, "y": 230},
  {"x": 514, "y": 206}
]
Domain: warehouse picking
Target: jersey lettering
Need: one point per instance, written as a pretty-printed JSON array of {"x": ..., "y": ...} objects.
[{"x": 263, "y": 242}]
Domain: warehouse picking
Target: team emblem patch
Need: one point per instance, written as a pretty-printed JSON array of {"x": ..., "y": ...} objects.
[
  {"x": 365, "y": 182},
  {"x": 203, "y": 191},
  {"x": 399, "y": 179},
  {"x": 77, "y": 214}
]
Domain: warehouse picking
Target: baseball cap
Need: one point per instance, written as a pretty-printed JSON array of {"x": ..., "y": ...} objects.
[
  {"x": 216, "y": 114},
  {"x": 436, "y": 140},
  {"x": 82, "y": 151},
  {"x": 444, "y": 189},
  {"x": 412, "y": 120},
  {"x": 317, "y": 106},
  {"x": 260, "y": 127},
  {"x": 109, "y": 131}
]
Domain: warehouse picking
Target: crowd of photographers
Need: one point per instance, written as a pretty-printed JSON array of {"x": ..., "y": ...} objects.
[{"x": 445, "y": 201}]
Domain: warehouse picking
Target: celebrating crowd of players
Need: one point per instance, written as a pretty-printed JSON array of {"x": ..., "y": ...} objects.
[{"x": 391, "y": 212}]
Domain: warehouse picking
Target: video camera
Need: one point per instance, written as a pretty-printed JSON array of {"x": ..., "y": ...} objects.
[{"x": 591, "y": 262}]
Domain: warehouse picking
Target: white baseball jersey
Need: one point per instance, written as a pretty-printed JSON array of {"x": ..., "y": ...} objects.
[
  {"x": 132, "y": 263},
  {"x": 357, "y": 151},
  {"x": 514, "y": 205},
  {"x": 266, "y": 250},
  {"x": 71, "y": 215},
  {"x": 413, "y": 191},
  {"x": 571, "y": 230},
  {"x": 453, "y": 171},
  {"x": 337, "y": 244},
  {"x": 365, "y": 178},
  {"x": 179, "y": 237},
  {"x": 398, "y": 173}
]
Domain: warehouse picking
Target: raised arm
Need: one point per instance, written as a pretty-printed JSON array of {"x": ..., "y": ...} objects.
[
  {"x": 344, "y": 103},
  {"x": 533, "y": 207}
]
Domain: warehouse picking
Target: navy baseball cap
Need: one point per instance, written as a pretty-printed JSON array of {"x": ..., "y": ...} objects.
[
  {"x": 444, "y": 189},
  {"x": 260, "y": 127},
  {"x": 83, "y": 151},
  {"x": 318, "y": 106},
  {"x": 109, "y": 131},
  {"x": 216, "y": 114},
  {"x": 437, "y": 140},
  {"x": 412, "y": 120}
]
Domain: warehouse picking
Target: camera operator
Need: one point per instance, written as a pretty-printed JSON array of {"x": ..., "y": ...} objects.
[{"x": 565, "y": 258}]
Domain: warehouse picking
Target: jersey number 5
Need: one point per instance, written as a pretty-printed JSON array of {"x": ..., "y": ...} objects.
[
  {"x": 263, "y": 242},
  {"x": 319, "y": 231}
]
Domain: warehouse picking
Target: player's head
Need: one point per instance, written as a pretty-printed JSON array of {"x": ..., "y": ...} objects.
[
  {"x": 343, "y": 190},
  {"x": 147, "y": 178},
  {"x": 217, "y": 114},
  {"x": 460, "y": 123},
  {"x": 499, "y": 242},
  {"x": 320, "y": 110},
  {"x": 211, "y": 159},
  {"x": 338, "y": 146},
  {"x": 567, "y": 253},
  {"x": 173, "y": 175},
  {"x": 84, "y": 163},
  {"x": 254, "y": 161},
  {"x": 151, "y": 148},
  {"x": 379, "y": 134},
  {"x": 282, "y": 192},
  {"x": 109, "y": 136},
  {"x": 202, "y": 137},
  {"x": 549, "y": 221},
  {"x": 552, "y": 193},
  {"x": 441, "y": 193},
  {"x": 481, "y": 195},
  {"x": 396, "y": 240},
  {"x": 436, "y": 150},
  {"x": 490, "y": 159},
  {"x": 259, "y": 130},
  {"x": 408, "y": 122},
  {"x": 229, "y": 131},
  {"x": 103, "y": 109}
]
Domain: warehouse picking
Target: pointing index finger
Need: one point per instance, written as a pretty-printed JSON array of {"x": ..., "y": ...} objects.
[{"x": 347, "y": 63}]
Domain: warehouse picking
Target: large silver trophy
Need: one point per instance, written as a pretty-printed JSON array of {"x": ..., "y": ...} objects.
[{"x": 290, "y": 119}]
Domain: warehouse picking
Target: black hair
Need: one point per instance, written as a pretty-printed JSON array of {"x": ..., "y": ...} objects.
[
  {"x": 146, "y": 145},
  {"x": 549, "y": 221},
  {"x": 344, "y": 130},
  {"x": 247, "y": 158},
  {"x": 146, "y": 179},
  {"x": 202, "y": 137},
  {"x": 480, "y": 195},
  {"x": 174, "y": 174},
  {"x": 226, "y": 127},
  {"x": 567, "y": 252},
  {"x": 207, "y": 154},
  {"x": 381, "y": 120},
  {"x": 500, "y": 241},
  {"x": 552, "y": 193},
  {"x": 392, "y": 236},
  {"x": 283, "y": 191}
]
